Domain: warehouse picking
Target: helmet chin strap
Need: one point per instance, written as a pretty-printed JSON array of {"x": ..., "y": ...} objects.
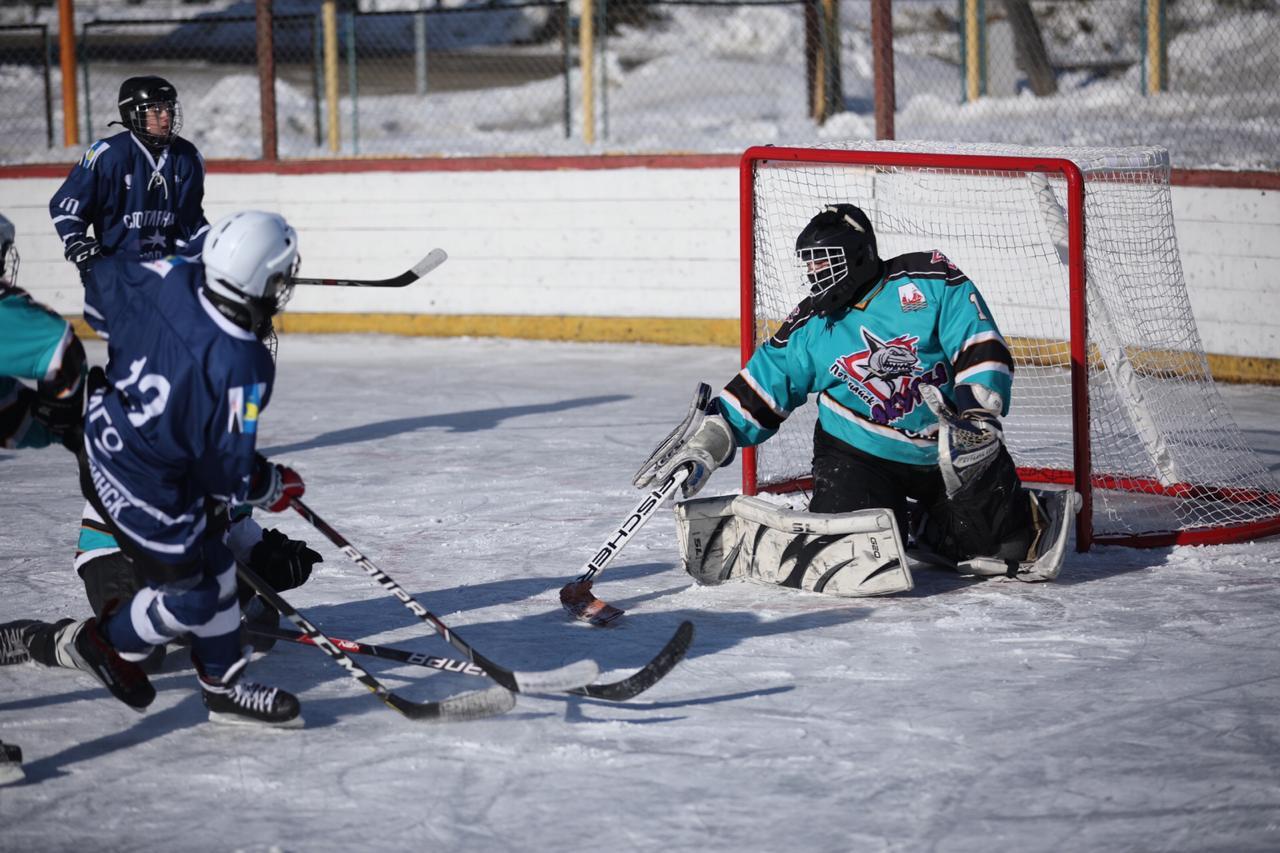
[{"x": 251, "y": 317}]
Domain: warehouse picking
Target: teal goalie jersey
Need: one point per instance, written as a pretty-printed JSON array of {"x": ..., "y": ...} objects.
[{"x": 923, "y": 322}]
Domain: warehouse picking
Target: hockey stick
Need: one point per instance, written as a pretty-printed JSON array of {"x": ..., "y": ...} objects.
[
  {"x": 467, "y": 706},
  {"x": 576, "y": 596},
  {"x": 434, "y": 258},
  {"x": 567, "y": 677},
  {"x": 615, "y": 691}
]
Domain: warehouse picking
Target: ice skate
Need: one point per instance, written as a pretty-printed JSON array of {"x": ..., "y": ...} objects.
[
  {"x": 232, "y": 699},
  {"x": 82, "y": 646}
]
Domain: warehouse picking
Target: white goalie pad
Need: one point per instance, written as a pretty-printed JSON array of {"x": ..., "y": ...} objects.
[{"x": 738, "y": 537}]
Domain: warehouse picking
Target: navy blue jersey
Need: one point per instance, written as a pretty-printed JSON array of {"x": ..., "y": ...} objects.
[
  {"x": 137, "y": 203},
  {"x": 178, "y": 422}
]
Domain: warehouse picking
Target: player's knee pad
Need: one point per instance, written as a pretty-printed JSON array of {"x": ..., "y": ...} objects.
[{"x": 989, "y": 516}]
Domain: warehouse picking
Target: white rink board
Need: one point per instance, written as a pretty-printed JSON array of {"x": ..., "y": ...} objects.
[{"x": 627, "y": 242}]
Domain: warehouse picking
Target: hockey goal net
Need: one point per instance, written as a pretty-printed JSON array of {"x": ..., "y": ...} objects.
[{"x": 1074, "y": 251}]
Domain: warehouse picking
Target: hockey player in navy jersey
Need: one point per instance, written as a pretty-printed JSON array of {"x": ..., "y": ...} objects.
[
  {"x": 912, "y": 378},
  {"x": 38, "y": 345},
  {"x": 140, "y": 192},
  {"x": 169, "y": 442}
]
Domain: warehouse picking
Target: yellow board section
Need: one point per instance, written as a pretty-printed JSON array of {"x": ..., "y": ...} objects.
[{"x": 647, "y": 330}]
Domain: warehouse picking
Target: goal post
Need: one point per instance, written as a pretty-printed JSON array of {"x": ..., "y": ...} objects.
[{"x": 1074, "y": 251}]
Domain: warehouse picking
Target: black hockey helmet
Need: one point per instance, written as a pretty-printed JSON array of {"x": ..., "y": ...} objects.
[
  {"x": 142, "y": 95},
  {"x": 838, "y": 250}
]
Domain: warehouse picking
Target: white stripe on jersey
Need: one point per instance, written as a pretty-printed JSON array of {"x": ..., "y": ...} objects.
[
  {"x": 734, "y": 403},
  {"x": 194, "y": 513},
  {"x": 832, "y": 405},
  {"x": 980, "y": 338}
]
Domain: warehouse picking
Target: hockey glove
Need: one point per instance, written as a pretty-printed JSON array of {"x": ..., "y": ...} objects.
[
  {"x": 968, "y": 442},
  {"x": 82, "y": 251},
  {"x": 274, "y": 486},
  {"x": 703, "y": 441},
  {"x": 282, "y": 562},
  {"x": 59, "y": 404}
]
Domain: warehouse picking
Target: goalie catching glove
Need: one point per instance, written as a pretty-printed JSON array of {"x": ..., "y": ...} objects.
[
  {"x": 703, "y": 441},
  {"x": 968, "y": 442}
]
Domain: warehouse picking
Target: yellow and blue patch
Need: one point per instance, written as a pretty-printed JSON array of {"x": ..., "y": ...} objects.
[
  {"x": 90, "y": 158},
  {"x": 245, "y": 402}
]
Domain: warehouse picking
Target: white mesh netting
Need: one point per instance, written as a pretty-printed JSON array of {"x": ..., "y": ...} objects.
[{"x": 1167, "y": 455}]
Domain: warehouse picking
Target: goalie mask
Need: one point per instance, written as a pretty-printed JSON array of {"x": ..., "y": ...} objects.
[
  {"x": 838, "y": 251},
  {"x": 250, "y": 260},
  {"x": 8, "y": 253},
  {"x": 149, "y": 108}
]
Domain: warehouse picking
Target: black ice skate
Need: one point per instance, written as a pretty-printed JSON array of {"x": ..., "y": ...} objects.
[
  {"x": 10, "y": 764},
  {"x": 231, "y": 699},
  {"x": 13, "y": 641},
  {"x": 81, "y": 645}
]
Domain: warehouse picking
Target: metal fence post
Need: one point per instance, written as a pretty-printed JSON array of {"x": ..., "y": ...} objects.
[
  {"x": 48, "y": 84},
  {"x": 420, "y": 50},
  {"x": 352, "y": 81},
  {"x": 568, "y": 66}
]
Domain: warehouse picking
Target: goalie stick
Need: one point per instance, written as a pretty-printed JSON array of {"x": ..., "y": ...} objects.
[
  {"x": 614, "y": 691},
  {"x": 567, "y": 677},
  {"x": 576, "y": 596},
  {"x": 434, "y": 258},
  {"x": 467, "y": 706}
]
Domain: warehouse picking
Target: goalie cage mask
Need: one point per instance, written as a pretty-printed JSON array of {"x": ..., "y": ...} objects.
[
  {"x": 838, "y": 252},
  {"x": 8, "y": 253}
]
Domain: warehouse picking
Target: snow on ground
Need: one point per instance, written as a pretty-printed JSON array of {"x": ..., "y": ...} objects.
[
  {"x": 703, "y": 79},
  {"x": 1128, "y": 706}
]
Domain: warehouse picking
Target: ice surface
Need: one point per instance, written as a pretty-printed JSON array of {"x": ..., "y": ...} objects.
[{"x": 1128, "y": 706}]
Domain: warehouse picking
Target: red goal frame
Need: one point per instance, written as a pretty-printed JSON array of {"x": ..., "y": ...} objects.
[{"x": 1081, "y": 478}]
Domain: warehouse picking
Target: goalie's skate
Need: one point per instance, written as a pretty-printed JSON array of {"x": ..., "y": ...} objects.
[{"x": 1053, "y": 514}]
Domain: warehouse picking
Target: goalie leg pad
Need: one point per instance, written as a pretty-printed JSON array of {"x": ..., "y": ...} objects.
[
  {"x": 709, "y": 539},
  {"x": 846, "y": 554}
]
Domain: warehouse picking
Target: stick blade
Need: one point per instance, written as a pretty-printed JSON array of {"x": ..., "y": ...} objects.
[
  {"x": 473, "y": 705},
  {"x": 434, "y": 258},
  {"x": 648, "y": 675},
  {"x": 568, "y": 677},
  {"x": 579, "y": 601}
]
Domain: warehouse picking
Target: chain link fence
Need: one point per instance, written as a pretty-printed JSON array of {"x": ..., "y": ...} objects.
[{"x": 454, "y": 77}]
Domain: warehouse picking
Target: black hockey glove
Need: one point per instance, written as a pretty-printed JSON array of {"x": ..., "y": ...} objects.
[
  {"x": 82, "y": 251},
  {"x": 282, "y": 562}
]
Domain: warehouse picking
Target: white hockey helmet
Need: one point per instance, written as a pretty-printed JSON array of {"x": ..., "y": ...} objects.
[
  {"x": 8, "y": 252},
  {"x": 250, "y": 259}
]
